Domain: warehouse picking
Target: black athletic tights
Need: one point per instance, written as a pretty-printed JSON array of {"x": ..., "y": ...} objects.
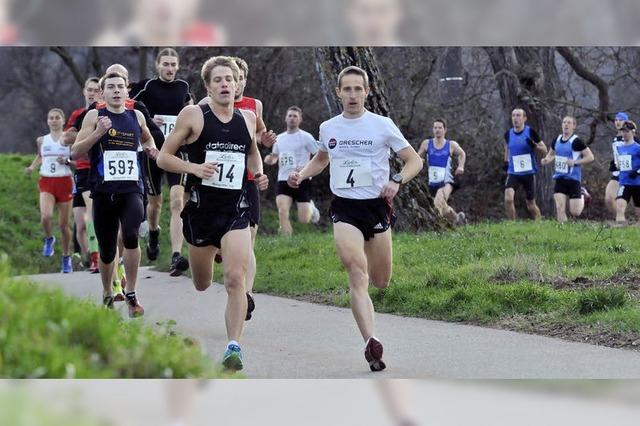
[{"x": 112, "y": 210}]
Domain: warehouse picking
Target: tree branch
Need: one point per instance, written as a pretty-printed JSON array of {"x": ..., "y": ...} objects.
[{"x": 70, "y": 63}]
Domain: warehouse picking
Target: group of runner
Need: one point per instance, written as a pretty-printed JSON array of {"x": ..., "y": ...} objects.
[{"x": 127, "y": 137}]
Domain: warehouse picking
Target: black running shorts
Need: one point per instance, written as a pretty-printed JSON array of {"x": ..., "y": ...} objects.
[
  {"x": 627, "y": 192},
  {"x": 153, "y": 175},
  {"x": 568, "y": 187},
  {"x": 302, "y": 194},
  {"x": 253, "y": 197},
  {"x": 372, "y": 216},
  {"x": 203, "y": 227},
  {"x": 526, "y": 181}
]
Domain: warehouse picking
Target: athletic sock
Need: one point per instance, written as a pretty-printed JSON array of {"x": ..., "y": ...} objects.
[
  {"x": 175, "y": 254},
  {"x": 91, "y": 236},
  {"x": 233, "y": 342},
  {"x": 131, "y": 296}
]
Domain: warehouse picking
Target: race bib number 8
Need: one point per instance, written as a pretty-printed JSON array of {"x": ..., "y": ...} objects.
[
  {"x": 624, "y": 163},
  {"x": 351, "y": 173},
  {"x": 168, "y": 125},
  {"x": 121, "y": 166},
  {"x": 522, "y": 163},
  {"x": 230, "y": 170},
  {"x": 436, "y": 174},
  {"x": 561, "y": 165}
]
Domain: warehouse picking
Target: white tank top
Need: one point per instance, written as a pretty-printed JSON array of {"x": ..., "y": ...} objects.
[{"x": 50, "y": 150}]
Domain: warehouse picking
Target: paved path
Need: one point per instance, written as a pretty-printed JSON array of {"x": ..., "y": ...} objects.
[{"x": 292, "y": 339}]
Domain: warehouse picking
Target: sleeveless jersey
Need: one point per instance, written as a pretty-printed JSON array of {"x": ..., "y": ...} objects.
[
  {"x": 521, "y": 159},
  {"x": 439, "y": 164},
  {"x": 628, "y": 161},
  {"x": 564, "y": 151},
  {"x": 50, "y": 150}
]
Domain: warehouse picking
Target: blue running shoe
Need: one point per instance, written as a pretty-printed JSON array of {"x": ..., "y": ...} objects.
[
  {"x": 232, "y": 358},
  {"x": 47, "y": 248},
  {"x": 67, "y": 267}
]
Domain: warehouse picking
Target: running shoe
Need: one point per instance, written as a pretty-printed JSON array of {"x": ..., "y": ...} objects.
[
  {"x": 118, "y": 293},
  {"x": 373, "y": 354},
  {"x": 47, "y": 248},
  {"x": 218, "y": 257},
  {"x": 232, "y": 358},
  {"x": 76, "y": 261},
  {"x": 153, "y": 245},
  {"x": 179, "y": 264},
  {"x": 135, "y": 308},
  {"x": 251, "y": 306},
  {"x": 93, "y": 263},
  {"x": 461, "y": 218},
  {"x": 107, "y": 301},
  {"x": 585, "y": 194},
  {"x": 315, "y": 213},
  {"x": 67, "y": 267}
]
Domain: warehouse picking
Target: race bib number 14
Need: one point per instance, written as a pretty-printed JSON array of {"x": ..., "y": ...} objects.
[{"x": 230, "y": 170}]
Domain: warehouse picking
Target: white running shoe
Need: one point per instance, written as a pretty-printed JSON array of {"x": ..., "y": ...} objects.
[
  {"x": 315, "y": 213},
  {"x": 143, "y": 231}
]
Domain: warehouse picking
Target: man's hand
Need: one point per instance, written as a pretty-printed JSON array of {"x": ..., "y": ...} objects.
[
  {"x": 268, "y": 138},
  {"x": 294, "y": 180},
  {"x": 61, "y": 159},
  {"x": 205, "y": 170},
  {"x": 152, "y": 152},
  {"x": 28, "y": 170},
  {"x": 159, "y": 121},
  {"x": 545, "y": 161},
  {"x": 103, "y": 125},
  {"x": 261, "y": 180},
  {"x": 459, "y": 171},
  {"x": 389, "y": 190}
]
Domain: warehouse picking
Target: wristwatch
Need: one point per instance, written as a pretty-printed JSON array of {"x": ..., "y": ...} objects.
[{"x": 397, "y": 178}]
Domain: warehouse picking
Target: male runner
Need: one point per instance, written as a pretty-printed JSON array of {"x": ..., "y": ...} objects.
[
  {"x": 292, "y": 151},
  {"x": 164, "y": 96},
  {"x": 521, "y": 145},
  {"x": 111, "y": 135},
  {"x": 611, "y": 191},
  {"x": 569, "y": 153},
  {"x": 438, "y": 153},
  {"x": 220, "y": 143},
  {"x": 356, "y": 144},
  {"x": 628, "y": 160}
]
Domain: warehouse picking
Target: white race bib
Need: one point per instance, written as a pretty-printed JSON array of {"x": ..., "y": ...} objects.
[
  {"x": 287, "y": 160},
  {"x": 522, "y": 163},
  {"x": 437, "y": 174},
  {"x": 168, "y": 125},
  {"x": 561, "y": 164},
  {"x": 351, "y": 172},
  {"x": 230, "y": 170},
  {"x": 51, "y": 168},
  {"x": 120, "y": 166},
  {"x": 624, "y": 163}
]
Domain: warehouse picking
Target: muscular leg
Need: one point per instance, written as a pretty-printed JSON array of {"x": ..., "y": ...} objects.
[
  {"x": 379, "y": 252},
  {"x": 534, "y": 211},
  {"x": 236, "y": 249},
  {"x": 304, "y": 212},
  {"x": 561, "y": 206},
  {"x": 252, "y": 267},
  {"x": 79, "y": 214},
  {"x": 201, "y": 262},
  {"x": 576, "y": 205},
  {"x": 47, "y": 203},
  {"x": 175, "y": 226},
  {"x": 153, "y": 211},
  {"x": 284, "y": 203},
  {"x": 64, "y": 210},
  {"x": 621, "y": 206},
  {"x": 610, "y": 194},
  {"x": 509, "y": 204},
  {"x": 440, "y": 201}
]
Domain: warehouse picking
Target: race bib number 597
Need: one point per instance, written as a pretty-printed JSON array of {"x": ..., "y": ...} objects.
[
  {"x": 351, "y": 173},
  {"x": 120, "y": 166}
]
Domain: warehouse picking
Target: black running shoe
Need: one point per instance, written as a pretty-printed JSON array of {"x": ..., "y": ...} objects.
[
  {"x": 373, "y": 354},
  {"x": 153, "y": 252},
  {"x": 179, "y": 264},
  {"x": 251, "y": 306}
]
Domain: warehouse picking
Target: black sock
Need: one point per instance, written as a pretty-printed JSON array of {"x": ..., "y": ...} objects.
[
  {"x": 153, "y": 237},
  {"x": 131, "y": 295}
]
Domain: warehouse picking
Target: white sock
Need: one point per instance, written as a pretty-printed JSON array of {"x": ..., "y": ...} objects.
[{"x": 233, "y": 342}]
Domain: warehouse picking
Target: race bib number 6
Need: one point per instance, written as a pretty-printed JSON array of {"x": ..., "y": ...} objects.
[
  {"x": 351, "y": 173},
  {"x": 561, "y": 164},
  {"x": 522, "y": 163},
  {"x": 168, "y": 125},
  {"x": 230, "y": 169},
  {"x": 624, "y": 163},
  {"x": 121, "y": 166}
]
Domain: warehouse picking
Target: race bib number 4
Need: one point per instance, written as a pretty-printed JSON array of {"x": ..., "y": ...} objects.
[
  {"x": 436, "y": 174},
  {"x": 121, "y": 166},
  {"x": 230, "y": 170},
  {"x": 561, "y": 165},
  {"x": 351, "y": 173},
  {"x": 522, "y": 163},
  {"x": 51, "y": 167},
  {"x": 168, "y": 125},
  {"x": 624, "y": 163}
]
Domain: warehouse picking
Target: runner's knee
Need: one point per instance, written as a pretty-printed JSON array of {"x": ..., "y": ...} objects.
[{"x": 234, "y": 280}]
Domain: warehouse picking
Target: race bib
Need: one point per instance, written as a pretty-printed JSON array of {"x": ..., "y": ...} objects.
[
  {"x": 120, "y": 166},
  {"x": 230, "y": 170},
  {"x": 561, "y": 165},
  {"x": 51, "y": 167},
  {"x": 436, "y": 174},
  {"x": 168, "y": 125},
  {"x": 624, "y": 163},
  {"x": 286, "y": 160},
  {"x": 351, "y": 173},
  {"x": 522, "y": 163}
]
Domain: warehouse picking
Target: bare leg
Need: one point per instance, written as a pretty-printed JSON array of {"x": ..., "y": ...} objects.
[
  {"x": 561, "y": 207},
  {"x": 509, "y": 204},
  {"x": 175, "y": 225},
  {"x": 236, "y": 249},
  {"x": 47, "y": 204},
  {"x": 284, "y": 203}
]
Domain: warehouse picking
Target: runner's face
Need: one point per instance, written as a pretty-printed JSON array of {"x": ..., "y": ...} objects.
[
  {"x": 618, "y": 124},
  {"x": 115, "y": 91},
  {"x": 242, "y": 82},
  {"x": 293, "y": 119},
  {"x": 568, "y": 126},
  {"x": 167, "y": 68},
  {"x": 222, "y": 85},
  {"x": 91, "y": 93},
  {"x": 352, "y": 93},
  {"x": 54, "y": 121},
  {"x": 438, "y": 130},
  {"x": 517, "y": 118}
]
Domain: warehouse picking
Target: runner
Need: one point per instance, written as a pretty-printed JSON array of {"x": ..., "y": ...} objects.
[
  {"x": 220, "y": 143},
  {"x": 82, "y": 203},
  {"x": 522, "y": 143},
  {"x": 628, "y": 160},
  {"x": 569, "y": 153},
  {"x": 111, "y": 135},
  {"x": 611, "y": 191},
  {"x": 292, "y": 151},
  {"x": 356, "y": 144},
  {"x": 164, "y": 96},
  {"x": 56, "y": 186},
  {"x": 438, "y": 153}
]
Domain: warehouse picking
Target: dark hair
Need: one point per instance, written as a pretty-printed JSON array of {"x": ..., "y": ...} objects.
[
  {"x": 111, "y": 75},
  {"x": 355, "y": 71},
  {"x": 296, "y": 109},
  {"x": 242, "y": 64},
  {"x": 167, "y": 51},
  {"x": 91, "y": 80},
  {"x": 440, "y": 120}
]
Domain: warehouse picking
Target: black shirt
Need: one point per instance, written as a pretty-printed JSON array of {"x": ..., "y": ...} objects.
[
  {"x": 162, "y": 97},
  {"x": 577, "y": 145}
]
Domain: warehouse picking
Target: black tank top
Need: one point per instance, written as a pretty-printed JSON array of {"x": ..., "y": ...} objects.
[
  {"x": 228, "y": 145},
  {"x": 115, "y": 165}
]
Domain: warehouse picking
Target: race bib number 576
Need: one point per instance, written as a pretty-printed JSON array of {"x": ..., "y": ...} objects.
[
  {"x": 351, "y": 173},
  {"x": 120, "y": 166}
]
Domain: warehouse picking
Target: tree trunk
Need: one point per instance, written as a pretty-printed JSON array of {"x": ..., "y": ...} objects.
[
  {"x": 526, "y": 77},
  {"x": 413, "y": 204}
]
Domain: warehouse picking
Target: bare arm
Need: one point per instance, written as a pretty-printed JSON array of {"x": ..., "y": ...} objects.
[
  {"x": 412, "y": 166},
  {"x": 69, "y": 136},
  {"x": 92, "y": 130},
  {"x": 147, "y": 141},
  {"x": 254, "y": 160},
  {"x": 541, "y": 148},
  {"x": 36, "y": 161},
  {"x": 460, "y": 155},
  {"x": 271, "y": 159},
  {"x": 179, "y": 136},
  {"x": 264, "y": 137},
  {"x": 587, "y": 157},
  {"x": 314, "y": 167}
]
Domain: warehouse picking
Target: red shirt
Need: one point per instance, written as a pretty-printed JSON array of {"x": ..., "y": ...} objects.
[
  {"x": 83, "y": 162},
  {"x": 247, "y": 103}
]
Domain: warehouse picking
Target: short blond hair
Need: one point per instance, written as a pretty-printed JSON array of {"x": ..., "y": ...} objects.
[
  {"x": 354, "y": 71},
  {"x": 219, "y": 61}
]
